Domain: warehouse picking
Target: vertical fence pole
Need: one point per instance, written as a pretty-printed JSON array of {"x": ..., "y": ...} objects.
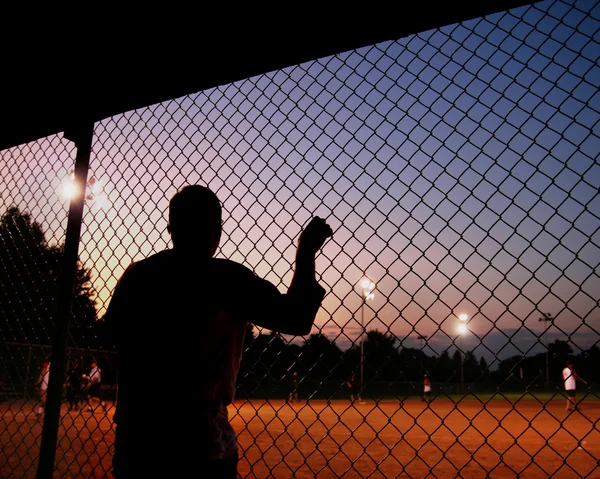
[
  {"x": 462, "y": 371},
  {"x": 82, "y": 137},
  {"x": 362, "y": 350}
]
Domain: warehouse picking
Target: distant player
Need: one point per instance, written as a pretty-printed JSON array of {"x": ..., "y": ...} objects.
[
  {"x": 570, "y": 378},
  {"x": 352, "y": 385},
  {"x": 43, "y": 387},
  {"x": 426, "y": 388},
  {"x": 294, "y": 388},
  {"x": 74, "y": 386},
  {"x": 95, "y": 380}
]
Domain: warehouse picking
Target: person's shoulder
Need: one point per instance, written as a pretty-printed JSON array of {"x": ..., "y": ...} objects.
[
  {"x": 143, "y": 267},
  {"x": 236, "y": 275},
  {"x": 228, "y": 266},
  {"x": 156, "y": 259}
]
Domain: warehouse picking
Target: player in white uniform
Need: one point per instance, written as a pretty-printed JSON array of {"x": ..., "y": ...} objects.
[
  {"x": 427, "y": 389},
  {"x": 95, "y": 379},
  {"x": 570, "y": 378},
  {"x": 43, "y": 387}
]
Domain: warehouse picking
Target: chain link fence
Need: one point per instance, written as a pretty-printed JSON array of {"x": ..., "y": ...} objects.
[{"x": 459, "y": 170}]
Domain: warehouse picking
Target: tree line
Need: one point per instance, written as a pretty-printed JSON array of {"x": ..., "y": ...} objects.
[
  {"x": 30, "y": 269},
  {"x": 269, "y": 361}
]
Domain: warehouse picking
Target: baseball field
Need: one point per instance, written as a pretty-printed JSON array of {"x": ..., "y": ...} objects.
[{"x": 496, "y": 438}]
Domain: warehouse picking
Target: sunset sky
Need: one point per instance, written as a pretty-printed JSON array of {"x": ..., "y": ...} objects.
[{"x": 458, "y": 168}]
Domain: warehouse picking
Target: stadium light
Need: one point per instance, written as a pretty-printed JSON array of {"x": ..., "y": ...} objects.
[
  {"x": 96, "y": 190},
  {"x": 547, "y": 318},
  {"x": 367, "y": 293},
  {"x": 423, "y": 338}
]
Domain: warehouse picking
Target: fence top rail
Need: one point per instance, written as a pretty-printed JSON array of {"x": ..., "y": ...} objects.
[{"x": 32, "y": 110}]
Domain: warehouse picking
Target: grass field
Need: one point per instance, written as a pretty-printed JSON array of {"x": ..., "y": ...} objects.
[{"x": 469, "y": 438}]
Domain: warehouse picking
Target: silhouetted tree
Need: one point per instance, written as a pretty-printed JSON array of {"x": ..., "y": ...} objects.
[
  {"x": 261, "y": 367},
  {"x": 352, "y": 359},
  {"x": 381, "y": 356},
  {"x": 29, "y": 275},
  {"x": 442, "y": 370},
  {"x": 321, "y": 357},
  {"x": 471, "y": 367},
  {"x": 589, "y": 364},
  {"x": 508, "y": 375},
  {"x": 456, "y": 361},
  {"x": 408, "y": 365},
  {"x": 484, "y": 369},
  {"x": 560, "y": 349},
  {"x": 558, "y": 353}
]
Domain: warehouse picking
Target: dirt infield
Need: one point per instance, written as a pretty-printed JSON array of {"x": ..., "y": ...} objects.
[
  {"x": 470, "y": 439},
  {"x": 386, "y": 439}
]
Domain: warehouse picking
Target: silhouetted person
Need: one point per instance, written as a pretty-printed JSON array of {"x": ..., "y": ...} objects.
[
  {"x": 188, "y": 312},
  {"x": 353, "y": 388},
  {"x": 426, "y": 388},
  {"x": 42, "y": 385},
  {"x": 74, "y": 386},
  {"x": 294, "y": 396}
]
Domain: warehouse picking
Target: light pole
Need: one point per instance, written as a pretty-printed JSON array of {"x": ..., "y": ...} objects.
[
  {"x": 367, "y": 293},
  {"x": 462, "y": 329},
  {"x": 423, "y": 338},
  {"x": 546, "y": 318}
]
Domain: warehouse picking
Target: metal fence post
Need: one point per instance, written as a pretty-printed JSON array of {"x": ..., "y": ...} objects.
[{"x": 82, "y": 137}]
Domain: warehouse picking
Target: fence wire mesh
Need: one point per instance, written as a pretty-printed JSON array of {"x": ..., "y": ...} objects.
[{"x": 459, "y": 170}]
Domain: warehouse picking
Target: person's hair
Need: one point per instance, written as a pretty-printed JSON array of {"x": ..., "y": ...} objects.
[{"x": 191, "y": 203}]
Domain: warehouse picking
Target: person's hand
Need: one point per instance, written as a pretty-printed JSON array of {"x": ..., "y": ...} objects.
[{"x": 314, "y": 235}]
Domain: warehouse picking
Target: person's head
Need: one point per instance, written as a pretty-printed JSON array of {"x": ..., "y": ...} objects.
[
  {"x": 94, "y": 363},
  {"x": 195, "y": 220},
  {"x": 569, "y": 363}
]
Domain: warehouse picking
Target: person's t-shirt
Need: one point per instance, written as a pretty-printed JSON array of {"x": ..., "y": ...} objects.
[
  {"x": 45, "y": 376},
  {"x": 179, "y": 330},
  {"x": 95, "y": 375},
  {"x": 569, "y": 378}
]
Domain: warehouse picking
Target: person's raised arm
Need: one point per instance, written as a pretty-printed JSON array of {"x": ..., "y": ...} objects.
[
  {"x": 295, "y": 312},
  {"x": 310, "y": 242}
]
